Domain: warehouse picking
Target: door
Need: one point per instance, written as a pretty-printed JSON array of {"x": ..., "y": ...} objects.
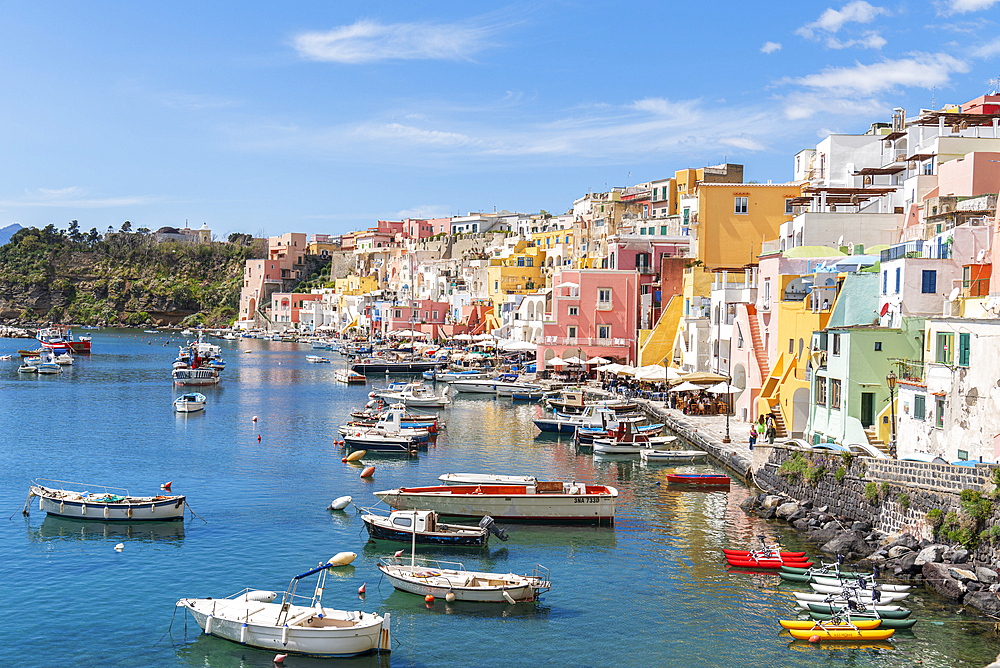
[{"x": 867, "y": 409}]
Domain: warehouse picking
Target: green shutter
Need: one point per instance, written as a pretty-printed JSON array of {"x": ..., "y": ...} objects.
[{"x": 963, "y": 348}]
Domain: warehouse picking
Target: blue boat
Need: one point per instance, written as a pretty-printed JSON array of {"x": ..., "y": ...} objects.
[
  {"x": 527, "y": 396},
  {"x": 422, "y": 526}
]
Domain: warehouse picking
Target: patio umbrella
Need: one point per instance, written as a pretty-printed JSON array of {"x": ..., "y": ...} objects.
[
  {"x": 686, "y": 387},
  {"x": 612, "y": 368},
  {"x": 724, "y": 388},
  {"x": 555, "y": 361},
  {"x": 462, "y": 337},
  {"x": 518, "y": 345},
  {"x": 574, "y": 360},
  {"x": 626, "y": 370},
  {"x": 597, "y": 360},
  {"x": 658, "y": 373}
]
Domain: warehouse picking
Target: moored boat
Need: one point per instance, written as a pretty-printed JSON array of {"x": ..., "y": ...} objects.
[
  {"x": 842, "y": 634},
  {"x": 651, "y": 455},
  {"x": 703, "y": 480},
  {"x": 62, "y": 337},
  {"x": 349, "y": 376},
  {"x": 401, "y": 525},
  {"x": 192, "y": 402},
  {"x": 486, "y": 479},
  {"x": 196, "y": 377},
  {"x": 438, "y": 578},
  {"x": 107, "y": 505}
]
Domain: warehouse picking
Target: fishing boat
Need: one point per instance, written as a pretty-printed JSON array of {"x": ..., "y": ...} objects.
[
  {"x": 389, "y": 424},
  {"x": 195, "y": 377},
  {"x": 414, "y": 394},
  {"x": 370, "y": 366},
  {"x": 110, "y": 504},
  {"x": 543, "y": 501},
  {"x": 192, "y": 402},
  {"x": 595, "y": 417},
  {"x": 628, "y": 440},
  {"x": 439, "y": 578},
  {"x": 847, "y": 634},
  {"x": 62, "y": 337},
  {"x": 452, "y": 376},
  {"x": 400, "y": 525},
  {"x": 699, "y": 479},
  {"x": 349, "y": 376},
  {"x": 486, "y": 479},
  {"x": 574, "y": 402},
  {"x": 651, "y": 455},
  {"x": 251, "y": 617},
  {"x": 527, "y": 396}
]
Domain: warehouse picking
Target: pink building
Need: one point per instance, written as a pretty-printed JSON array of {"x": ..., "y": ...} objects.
[
  {"x": 978, "y": 173},
  {"x": 427, "y": 316},
  {"x": 288, "y": 251},
  {"x": 380, "y": 236},
  {"x": 260, "y": 279},
  {"x": 285, "y": 306},
  {"x": 591, "y": 313}
]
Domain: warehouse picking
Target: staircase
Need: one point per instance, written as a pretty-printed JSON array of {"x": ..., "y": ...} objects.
[
  {"x": 779, "y": 422},
  {"x": 758, "y": 348},
  {"x": 873, "y": 440}
]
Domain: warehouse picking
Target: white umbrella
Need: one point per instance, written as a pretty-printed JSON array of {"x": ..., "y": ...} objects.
[
  {"x": 656, "y": 374},
  {"x": 555, "y": 361},
  {"x": 626, "y": 369},
  {"x": 574, "y": 360},
  {"x": 597, "y": 360},
  {"x": 686, "y": 387},
  {"x": 672, "y": 373},
  {"x": 462, "y": 337},
  {"x": 724, "y": 388},
  {"x": 518, "y": 345},
  {"x": 613, "y": 368},
  {"x": 483, "y": 337}
]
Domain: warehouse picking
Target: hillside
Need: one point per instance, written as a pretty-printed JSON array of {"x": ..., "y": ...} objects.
[{"x": 121, "y": 278}]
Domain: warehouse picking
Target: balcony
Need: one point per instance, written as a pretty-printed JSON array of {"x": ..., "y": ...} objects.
[
  {"x": 646, "y": 270},
  {"x": 770, "y": 247},
  {"x": 605, "y": 306},
  {"x": 910, "y": 371},
  {"x": 587, "y": 341}
]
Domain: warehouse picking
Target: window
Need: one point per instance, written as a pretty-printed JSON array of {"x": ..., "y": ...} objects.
[
  {"x": 791, "y": 346},
  {"x": 741, "y": 205},
  {"x": 963, "y": 348},
  {"x": 687, "y": 215},
  {"x": 835, "y": 393},
  {"x": 496, "y": 286},
  {"x": 945, "y": 348},
  {"x": 963, "y": 455},
  {"x": 642, "y": 230},
  {"x": 885, "y": 281},
  {"x": 939, "y": 417},
  {"x": 520, "y": 261},
  {"x": 820, "y": 391},
  {"x": 399, "y": 313},
  {"x": 739, "y": 336},
  {"x": 928, "y": 281},
  {"x": 571, "y": 330},
  {"x": 919, "y": 407},
  {"x": 663, "y": 230},
  {"x": 426, "y": 315},
  {"x": 604, "y": 299},
  {"x": 899, "y": 277},
  {"x": 788, "y": 207},
  {"x": 836, "y": 344},
  {"x": 435, "y": 315},
  {"x": 574, "y": 310},
  {"x": 767, "y": 293},
  {"x": 604, "y": 331}
]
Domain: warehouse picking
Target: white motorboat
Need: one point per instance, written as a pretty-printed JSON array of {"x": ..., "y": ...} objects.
[
  {"x": 389, "y": 424},
  {"x": 69, "y": 499},
  {"x": 493, "y": 386},
  {"x": 62, "y": 358},
  {"x": 415, "y": 394},
  {"x": 49, "y": 368},
  {"x": 672, "y": 456},
  {"x": 628, "y": 440},
  {"x": 399, "y": 525},
  {"x": 186, "y": 332},
  {"x": 440, "y": 578},
  {"x": 191, "y": 402},
  {"x": 543, "y": 501},
  {"x": 200, "y": 376},
  {"x": 316, "y": 359},
  {"x": 349, "y": 376},
  {"x": 27, "y": 368},
  {"x": 250, "y": 617},
  {"x": 452, "y": 376},
  {"x": 486, "y": 479}
]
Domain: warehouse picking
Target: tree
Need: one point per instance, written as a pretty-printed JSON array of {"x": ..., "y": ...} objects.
[
  {"x": 240, "y": 239},
  {"x": 126, "y": 226},
  {"x": 74, "y": 232},
  {"x": 93, "y": 236}
]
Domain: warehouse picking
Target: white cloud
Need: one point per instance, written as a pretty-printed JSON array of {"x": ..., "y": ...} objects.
[
  {"x": 869, "y": 40},
  {"x": 966, "y": 6},
  {"x": 987, "y": 50},
  {"x": 367, "y": 41},
  {"x": 770, "y": 47},
  {"x": 922, "y": 70},
  {"x": 801, "y": 105},
  {"x": 75, "y": 197},
  {"x": 832, "y": 20}
]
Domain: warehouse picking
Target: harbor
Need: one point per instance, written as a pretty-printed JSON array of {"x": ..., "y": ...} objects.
[{"x": 261, "y": 464}]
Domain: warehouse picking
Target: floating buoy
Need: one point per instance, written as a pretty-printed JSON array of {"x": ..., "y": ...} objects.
[
  {"x": 344, "y": 460},
  {"x": 368, "y": 472},
  {"x": 258, "y": 438},
  {"x": 399, "y": 553},
  {"x": 254, "y": 418},
  {"x": 342, "y": 559},
  {"x": 429, "y": 599},
  {"x": 450, "y": 597},
  {"x": 340, "y": 503},
  {"x": 167, "y": 485},
  {"x": 356, "y": 455},
  {"x": 814, "y": 638},
  {"x": 119, "y": 547},
  {"x": 507, "y": 597},
  {"x": 361, "y": 590},
  {"x": 279, "y": 658}
]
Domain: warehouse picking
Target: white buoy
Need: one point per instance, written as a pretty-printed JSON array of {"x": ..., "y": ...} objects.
[
  {"x": 450, "y": 597},
  {"x": 340, "y": 503},
  {"x": 243, "y": 634},
  {"x": 342, "y": 558},
  {"x": 507, "y": 597},
  {"x": 119, "y": 547},
  {"x": 208, "y": 625}
]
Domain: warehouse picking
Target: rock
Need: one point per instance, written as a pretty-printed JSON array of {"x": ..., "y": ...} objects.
[
  {"x": 766, "y": 513},
  {"x": 907, "y": 563},
  {"x": 772, "y": 502},
  {"x": 974, "y": 586},
  {"x": 987, "y": 575},
  {"x": 905, "y": 540},
  {"x": 897, "y": 551},
  {"x": 786, "y": 509},
  {"x": 960, "y": 557},
  {"x": 878, "y": 559},
  {"x": 962, "y": 575},
  {"x": 846, "y": 544},
  {"x": 946, "y": 557},
  {"x": 832, "y": 524},
  {"x": 801, "y": 525},
  {"x": 984, "y": 601},
  {"x": 807, "y": 505},
  {"x": 823, "y": 509},
  {"x": 931, "y": 553},
  {"x": 748, "y": 504},
  {"x": 823, "y": 535},
  {"x": 861, "y": 526},
  {"x": 797, "y": 515},
  {"x": 938, "y": 578}
]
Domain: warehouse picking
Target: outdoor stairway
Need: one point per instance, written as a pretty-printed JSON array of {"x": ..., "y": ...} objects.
[
  {"x": 758, "y": 348},
  {"x": 874, "y": 441},
  {"x": 779, "y": 423}
]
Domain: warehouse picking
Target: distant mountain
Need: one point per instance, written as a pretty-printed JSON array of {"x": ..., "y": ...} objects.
[{"x": 7, "y": 232}]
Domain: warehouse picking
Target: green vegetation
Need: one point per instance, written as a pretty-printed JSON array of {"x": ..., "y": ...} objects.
[
  {"x": 871, "y": 493},
  {"x": 848, "y": 458},
  {"x": 799, "y": 467},
  {"x": 903, "y": 500},
  {"x": 935, "y": 517},
  {"x": 840, "y": 474},
  {"x": 884, "y": 489},
  {"x": 965, "y": 527},
  {"x": 121, "y": 277}
]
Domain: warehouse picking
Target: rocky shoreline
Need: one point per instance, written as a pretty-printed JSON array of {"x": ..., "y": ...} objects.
[{"x": 944, "y": 569}]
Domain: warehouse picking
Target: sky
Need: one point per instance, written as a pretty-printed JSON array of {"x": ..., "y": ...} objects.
[{"x": 323, "y": 117}]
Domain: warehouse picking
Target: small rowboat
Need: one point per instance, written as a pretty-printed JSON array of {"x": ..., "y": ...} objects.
[
  {"x": 857, "y": 620},
  {"x": 671, "y": 456},
  {"x": 704, "y": 480},
  {"x": 807, "y": 624},
  {"x": 843, "y": 634},
  {"x": 884, "y": 611},
  {"x": 765, "y": 554},
  {"x": 760, "y": 563}
]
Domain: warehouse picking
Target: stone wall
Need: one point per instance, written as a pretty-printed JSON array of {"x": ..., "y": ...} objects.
[{"x": 340, "y": 263}]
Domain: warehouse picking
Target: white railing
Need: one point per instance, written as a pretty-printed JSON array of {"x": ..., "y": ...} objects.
[
  {"x": 586, "y": 341},
  {"x": 605, "y": 306},
  {"x": 768, "y": 247}
]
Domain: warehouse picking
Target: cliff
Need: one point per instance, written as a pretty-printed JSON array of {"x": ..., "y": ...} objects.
[{"x": 121, "y": 278}]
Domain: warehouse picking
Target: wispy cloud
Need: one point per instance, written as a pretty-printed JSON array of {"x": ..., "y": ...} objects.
[
  {"x": 966, "y": 6},
  {"x": 75, "y": 197},
  {"x": 832, "y": 20},
  {"x": 367, "y": 41},
  {"x": 921, "y": 70},
  {"x": 987, "y": 50},
  {"x": 869, "y": 40},
  {"x": 770, "y": 47}
]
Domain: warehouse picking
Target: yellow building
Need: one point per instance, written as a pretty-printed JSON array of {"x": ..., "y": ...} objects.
[
  {"x": 552, "y": 238},
  {"x": 356, "y": 285},
  {"x": 733, "y": 219},
  {"x": 519, "y": 273}
]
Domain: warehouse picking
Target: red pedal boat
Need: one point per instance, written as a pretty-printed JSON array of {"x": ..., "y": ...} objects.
[
  {"x": 703, "y": 480},
  {"x": 762, "y": 554},
  {"x": 767, "y": 563}
]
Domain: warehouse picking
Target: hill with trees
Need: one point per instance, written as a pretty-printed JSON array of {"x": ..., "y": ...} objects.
[{"x": 121, "y": 277}]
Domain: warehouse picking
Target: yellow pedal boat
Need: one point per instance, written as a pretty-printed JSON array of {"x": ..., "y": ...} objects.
[
  {"x": 842, "y": 635},
  {"x": 806, "y": 624}
]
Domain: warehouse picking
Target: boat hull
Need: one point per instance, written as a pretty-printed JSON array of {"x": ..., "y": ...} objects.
[
  {"x": 394, "y": 367},
  {"x": 438, "y": 588},
  {"x": 165, "y": 510},
  {"x": 842, "y": 635},
  {"x": 379, "y": 532},
  {"x": 702, "y": 480}
]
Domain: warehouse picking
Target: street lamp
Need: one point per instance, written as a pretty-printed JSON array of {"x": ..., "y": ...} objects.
[{"x": 890, "y": 380}]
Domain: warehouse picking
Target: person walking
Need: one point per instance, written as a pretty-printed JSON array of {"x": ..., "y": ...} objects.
[
  {"x": 771, "y": 429},
  {"x": 759, "y": 428},
  {"x": 753, "y": 435}
]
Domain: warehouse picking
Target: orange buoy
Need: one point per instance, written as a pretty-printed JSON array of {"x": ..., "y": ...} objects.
[
  {"x": 344, "y": 460},
  {"x": 254, "y": 418},
  {"x": 361, "y": 589},
  {"x": 814, "y": 638},
  {"x": 167, "y": 485},
  {"x": 368, "y": 472},
  {"x": 279, "y": 658},
  {"x": 429, "y": 599},
  {"x": 258, "y": 438}
]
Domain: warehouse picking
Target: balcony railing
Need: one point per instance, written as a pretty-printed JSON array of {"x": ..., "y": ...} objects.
[
  {"x": 605, "y": 306},
  {"x": 646, "y": 270},
  {"x": 909, "y": 370},
  {"x": 769, "y": 247},
  {"x": 586, "y": 341}
]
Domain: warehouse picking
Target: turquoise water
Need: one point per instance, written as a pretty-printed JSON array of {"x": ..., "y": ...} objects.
[{"x": 650, "y": 591}]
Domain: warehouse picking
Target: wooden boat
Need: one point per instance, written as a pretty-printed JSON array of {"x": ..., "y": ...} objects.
[
  {"x": 527, "y": 395},
  {"x": 486, "y": 479},
  {"x": 672, "y": 456},
  {"x": 250, "y": 617},
  {"x": 858, "y": 619},
  {"x": 349, "y": 376},
  {"x": 400, "y": 525},
  {"x": 62, "y": 337},
  {"x": 439, "y": 578},
  {"x": 885, "y": 611},
  {"x": 493, "y": 386},
  {"x": 415, "y": 394},
  {"x": 191, "y": 402},
  {"x": 703, "y": 480},
  {"x": 842, "y": 634},
  {"x": 374, "y": 441},
  {"x": 107, "y": 505},
  {"x": 762, "y": 553},
  {"x": 389, "y": 424},
  {"x": 628, "y": 440},
  {"x": 818, "y": 624},
  {"x": 199, "y": 376},
  {"x": 371, "y": 366},
  {"x": 316, "y": 359},
  {"x": 543, "y": 501}
]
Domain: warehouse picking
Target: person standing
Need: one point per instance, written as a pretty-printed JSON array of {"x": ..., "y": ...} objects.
[{"x": 771, "y": 429}]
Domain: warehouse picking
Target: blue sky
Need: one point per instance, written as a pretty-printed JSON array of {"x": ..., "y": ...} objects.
[{"x": 322, "y": 117}]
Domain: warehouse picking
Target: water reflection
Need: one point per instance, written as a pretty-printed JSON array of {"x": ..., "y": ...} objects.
[
  {"x": 60, "y": 528},
  {"x": 406, "y": 604},
  {"x": 211, "y": 652}
]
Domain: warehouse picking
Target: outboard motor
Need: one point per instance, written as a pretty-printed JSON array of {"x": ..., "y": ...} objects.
[{"x": 488, "y": 524}]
